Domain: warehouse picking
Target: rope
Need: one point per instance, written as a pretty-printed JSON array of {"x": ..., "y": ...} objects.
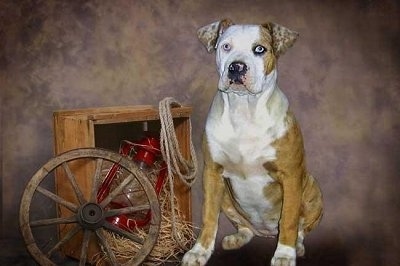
[{"x": 185, "y": 170}]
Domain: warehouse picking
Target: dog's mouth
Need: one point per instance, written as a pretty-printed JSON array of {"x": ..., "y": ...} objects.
[
  {"x": 238, "y": 77},
  {"x": 238, "y": 87}
]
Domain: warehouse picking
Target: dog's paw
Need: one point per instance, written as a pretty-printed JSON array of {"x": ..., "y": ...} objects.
[
  {"x": 284, "y": 256},
  {"x": 197, "y": 256},
  {"x": 235, "y": 241}
]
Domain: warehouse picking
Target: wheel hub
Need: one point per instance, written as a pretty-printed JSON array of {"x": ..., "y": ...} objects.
[{"x": 91, "y": 216}]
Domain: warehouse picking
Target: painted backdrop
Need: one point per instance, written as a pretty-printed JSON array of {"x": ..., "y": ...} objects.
[{"x": 341, "y": 77}]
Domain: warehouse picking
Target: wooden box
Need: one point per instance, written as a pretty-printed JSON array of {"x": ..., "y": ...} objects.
[{"x": 105, "y": 128}]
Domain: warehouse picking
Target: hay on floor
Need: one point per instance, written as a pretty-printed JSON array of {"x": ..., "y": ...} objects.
[{"x": 166, "y": 249}]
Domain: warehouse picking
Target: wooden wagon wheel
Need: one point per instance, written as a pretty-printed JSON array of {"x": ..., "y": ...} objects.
[{"x": 86, "y": 215}]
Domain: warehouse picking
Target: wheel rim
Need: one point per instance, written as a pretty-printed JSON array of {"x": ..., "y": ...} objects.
[{"x": 87, "y": 215}]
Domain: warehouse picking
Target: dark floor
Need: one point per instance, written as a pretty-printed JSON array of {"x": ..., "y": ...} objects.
[
  {"x": 257, "y": 253},
  {"x": 12, "y": 252},
  {"x": 260, "y": 251}
]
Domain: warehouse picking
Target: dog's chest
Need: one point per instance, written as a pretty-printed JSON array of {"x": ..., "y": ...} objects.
[
  {"x": 240, "y": 150},
  {"x": 241, "y": 138}
]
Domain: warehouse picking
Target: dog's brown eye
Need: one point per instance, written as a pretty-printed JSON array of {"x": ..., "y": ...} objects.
[
  {"x": 259, "y": 49},
  {"x": 226, "y": 47}
]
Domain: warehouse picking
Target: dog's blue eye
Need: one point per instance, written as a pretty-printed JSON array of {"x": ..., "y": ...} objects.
[
  {"x": 259, "y": 49},
  {"x": 226, "y": 47}
]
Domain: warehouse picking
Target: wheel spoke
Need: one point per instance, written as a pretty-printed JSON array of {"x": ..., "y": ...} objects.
[
  {"x": 72, "y": 179},
  {"x": 117, "y": 191},
  {"x": 72, "y": 207},
  {"x": 126, "y": 210},
  {"x": 96, "y": 178},
  {"x": 85, "y": 245},
  {"x": 53, "y": 221},
  {"x": 123, "y": 233},
  {"x": 106, "y": 246},
  {"x": 65, "y": 239}
]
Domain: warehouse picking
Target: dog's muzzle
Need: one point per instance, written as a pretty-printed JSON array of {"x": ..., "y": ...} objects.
[{"x": 236, "y": 72}]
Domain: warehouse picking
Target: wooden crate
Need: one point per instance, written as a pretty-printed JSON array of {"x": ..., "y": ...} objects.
[{"x": 105, "y": 128}]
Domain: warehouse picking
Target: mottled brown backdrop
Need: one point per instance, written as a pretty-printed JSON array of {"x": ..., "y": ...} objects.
[{"x": 342, "y": 79}]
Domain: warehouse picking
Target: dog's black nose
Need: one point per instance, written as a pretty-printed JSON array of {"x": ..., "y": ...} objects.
[
  {"x": 237, "y": 68},
  {"x": 236, "y": 71}
]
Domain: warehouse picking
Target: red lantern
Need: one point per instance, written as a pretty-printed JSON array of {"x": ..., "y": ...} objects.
[{"x": 146, "y": 152}]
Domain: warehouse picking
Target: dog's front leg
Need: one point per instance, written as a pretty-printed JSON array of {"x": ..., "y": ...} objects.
[
  {"x": 213, "y": 187},
  {"x": 289, "y": 170},
  {"x": 285, "y": 253}
]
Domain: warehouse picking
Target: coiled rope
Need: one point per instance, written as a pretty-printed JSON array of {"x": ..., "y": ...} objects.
[{"x": 177, "y": 165}]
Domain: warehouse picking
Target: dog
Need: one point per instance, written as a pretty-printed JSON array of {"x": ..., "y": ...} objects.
[{"x": 254, "y": 165}]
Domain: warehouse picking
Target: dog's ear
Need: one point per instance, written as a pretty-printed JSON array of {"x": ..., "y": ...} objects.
[
  {"x": 282, "y": 37},
  {"x": 210, "y": 33}
]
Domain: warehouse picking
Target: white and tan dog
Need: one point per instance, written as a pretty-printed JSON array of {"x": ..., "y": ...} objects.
[{"x": 255, "y": 170}]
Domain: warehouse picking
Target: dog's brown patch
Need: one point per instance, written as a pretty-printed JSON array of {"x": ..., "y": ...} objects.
[
  {"x": 289, "y": 170},
  {"x": 282, "y": 37},
  {"x": 312, "y": 204},
  {"x": 269, "y": 57},
  {"x": 209, "y": 34},
  {"x": 213, "y": 196},
  {"x": 301, "y": 194},
  {"x": 273, "y": 193}
]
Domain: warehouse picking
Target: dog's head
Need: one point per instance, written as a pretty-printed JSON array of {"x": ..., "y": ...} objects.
[{"x": 246, "y": 54}]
